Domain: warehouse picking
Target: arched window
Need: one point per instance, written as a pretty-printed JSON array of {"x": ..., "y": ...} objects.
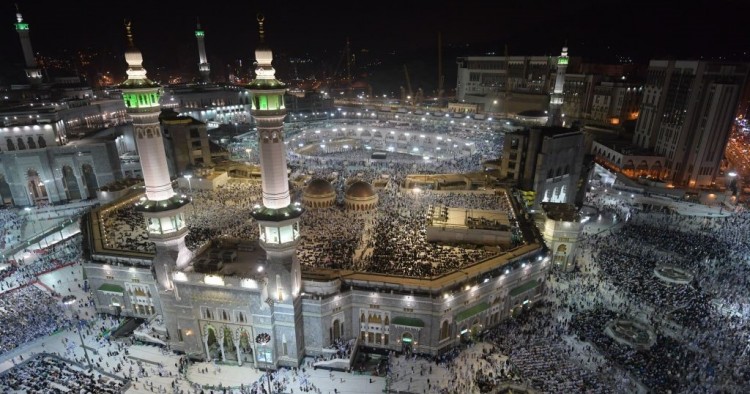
[{"x": 444, "y": 330}]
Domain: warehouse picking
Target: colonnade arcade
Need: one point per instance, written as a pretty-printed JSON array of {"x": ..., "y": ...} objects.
[{"x": 229, "y": 343}]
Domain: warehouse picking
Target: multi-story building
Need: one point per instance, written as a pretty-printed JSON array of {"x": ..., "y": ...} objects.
[
  {"x": 187, "y": 141},
  {"x": 614, "y": 103},
  {"x": 577, "y": 94},
  {"x": 209, "y": 103},
  {"x": 686, "y": 116},
  {"x": 546, "y": 160},
  {"x": 506, "y": 85}
]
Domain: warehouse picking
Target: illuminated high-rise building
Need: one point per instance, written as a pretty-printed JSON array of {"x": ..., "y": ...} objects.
[
  {"x": 203, "y": 66},
  {"x": 33, "y": 73},
  {"x": 686, "y": 115},
  {"x": 162, "y": 207}
]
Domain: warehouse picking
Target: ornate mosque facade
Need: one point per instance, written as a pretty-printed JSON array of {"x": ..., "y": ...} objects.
[{"x": 251, "y": 302}]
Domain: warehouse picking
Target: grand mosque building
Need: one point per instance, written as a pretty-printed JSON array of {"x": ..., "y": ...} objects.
[{"x": 250, "y": 301}]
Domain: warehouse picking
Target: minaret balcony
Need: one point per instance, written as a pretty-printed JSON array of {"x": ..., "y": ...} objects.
[
  {"x": 269, "y": 113},
  {"x": 149, "y": 208},
  {"x": 265, "y": 214}
]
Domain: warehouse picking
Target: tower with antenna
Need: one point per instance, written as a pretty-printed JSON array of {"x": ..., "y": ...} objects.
[
  {"x": 33, "y": 73},
  {"x": 203, "y": 67}
]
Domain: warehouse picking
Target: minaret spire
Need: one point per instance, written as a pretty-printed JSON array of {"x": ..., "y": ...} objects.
[
  {"x": 129, "y": 33},
  {"x": 261, "y": 32},
  {"x": 162, "y": 208},
  {"x": 278, "y": 218},
  {"x": 203, "y": 67},
  {"x": 556, "y": 99},
  {"x": 33, "y": 73}
]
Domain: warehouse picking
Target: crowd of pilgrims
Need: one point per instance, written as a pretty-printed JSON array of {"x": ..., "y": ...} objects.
[
  {"x": 559, "y": 345},
  {"x": 224, "y": 212},
  {"x": 124, "y": 228},
  {"x": 50, "y": 374},
  {"x": 700, "y": 328},
  {"x": 11, "y": 224},
  {"x": 28, "y": 313},
  {"x": 389, "y": 240},
  {"x": 22, "y": 271},
  {"x": 398, "y": 244}
]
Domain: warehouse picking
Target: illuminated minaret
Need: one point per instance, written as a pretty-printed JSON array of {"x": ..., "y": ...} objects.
[
  {"x": 33, "y": 73},
  {"x": 162, "y": 208},
  {"x": 278, "y": 218},
  {"x": 556, "y": 99},
  {"x": 203, "y": 66}
]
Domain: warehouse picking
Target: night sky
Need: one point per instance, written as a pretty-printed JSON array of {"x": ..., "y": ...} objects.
[{"x": 595, "y": 30}]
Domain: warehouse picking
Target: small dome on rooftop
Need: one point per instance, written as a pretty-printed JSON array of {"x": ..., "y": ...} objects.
[
  {"x": 319, "y": 187},
  {"x": 360, "y": 189}
]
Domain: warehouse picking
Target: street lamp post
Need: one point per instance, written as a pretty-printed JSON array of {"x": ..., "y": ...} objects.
[
  {"x": 33, "y": 222},
  {"x": 188, "y": 177},
  {"x": 85, "y": 352}
]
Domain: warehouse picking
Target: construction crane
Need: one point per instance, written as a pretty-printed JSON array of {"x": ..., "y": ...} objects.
[
  {"x": 441, "y": 77},
  {"x": 409, "y": 92},
  {"x": 506, "y": 98}
]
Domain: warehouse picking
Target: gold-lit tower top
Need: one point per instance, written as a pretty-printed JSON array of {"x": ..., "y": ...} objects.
[
  {"x": 262, "y": 32},
  {"x": 129, "y": 33}
]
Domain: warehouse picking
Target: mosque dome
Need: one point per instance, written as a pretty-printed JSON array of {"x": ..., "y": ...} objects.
[
  {"x": 319, "y": 187},
  {"x": 319, "y": 193},
  {"x": 360, "y": 196},
  {"x": 360, "y": 189}
]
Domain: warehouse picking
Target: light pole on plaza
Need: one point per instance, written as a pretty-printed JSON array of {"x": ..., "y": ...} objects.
[
  {"x": 85, "y": 352},
  {"x": 190, "y": 185},
  {"x": 268, "y": 378},
  {"x": 33, "y": 223},
  {"x": 79, "y": 324}
]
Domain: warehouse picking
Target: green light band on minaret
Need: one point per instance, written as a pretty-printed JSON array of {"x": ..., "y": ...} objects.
[
  {"x": 200, "y": 33},
  {"x": 22, "y": 26},
  {"x": 141, "y": 100},
  {"x": 562, "y": 60}
]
